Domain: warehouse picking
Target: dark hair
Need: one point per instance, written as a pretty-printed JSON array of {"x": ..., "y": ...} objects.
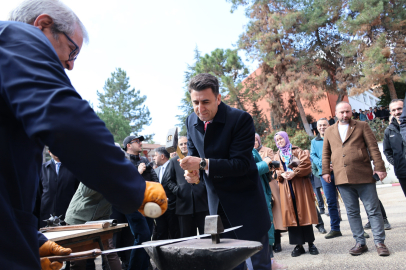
[
  {"x": 162, "y": 151},
  {"x": 395, "y": 100},
  {"x": 203, "y": 81},
  {"x": 322, "y": 119}
]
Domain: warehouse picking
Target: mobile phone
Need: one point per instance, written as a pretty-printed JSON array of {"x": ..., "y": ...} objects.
[{"x": 376, "y": 177}]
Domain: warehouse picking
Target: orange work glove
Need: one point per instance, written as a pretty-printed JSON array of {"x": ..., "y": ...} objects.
[
  {"x": 154, "y": 192},
  {"x": 50, "y": 248}
]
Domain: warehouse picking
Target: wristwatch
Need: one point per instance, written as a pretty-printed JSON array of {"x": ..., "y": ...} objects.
[{"x": 202, "y": 164}]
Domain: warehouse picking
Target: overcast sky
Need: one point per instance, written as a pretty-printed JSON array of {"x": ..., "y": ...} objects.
[{"x": 153, "y": 41}]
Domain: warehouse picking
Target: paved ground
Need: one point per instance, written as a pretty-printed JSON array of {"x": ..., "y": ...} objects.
[{"x": 334, "y": 252}]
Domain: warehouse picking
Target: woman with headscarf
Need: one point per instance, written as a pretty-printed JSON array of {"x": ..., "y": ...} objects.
[
  {"x": 276, "y": 203},
  {"x": 297, "y": 198}
]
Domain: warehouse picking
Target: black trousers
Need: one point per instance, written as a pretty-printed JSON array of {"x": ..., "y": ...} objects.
[
  {"x": 188, "y": 224},
  {"x": 167, "y": 226}
]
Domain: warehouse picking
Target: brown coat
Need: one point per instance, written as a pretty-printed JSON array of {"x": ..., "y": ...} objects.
[
  {"x": 273, "y": 184},
  {"x": 302, "y": 188},
  {"x": 351, "y": 161}
]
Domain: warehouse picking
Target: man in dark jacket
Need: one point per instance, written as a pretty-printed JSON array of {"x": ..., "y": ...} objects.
[
  {"x": 56, "y": 189},
  {"x": 220, "y": 143},
  {"x": 38, "y": 106},
  {"x": 393, "y": 144},
  {"x": 191, "y": 199},
  {"x": 140, "y": 226},
  {"x": 167, "y": 226}
]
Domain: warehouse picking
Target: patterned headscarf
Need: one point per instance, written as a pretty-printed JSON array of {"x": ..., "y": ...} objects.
[
  {"x": 286, "y": 149},
  {"x": 258, "y": 138}
]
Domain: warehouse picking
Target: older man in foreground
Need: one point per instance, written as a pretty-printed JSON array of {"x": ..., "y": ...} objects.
[{"x": 38, "y": 106}]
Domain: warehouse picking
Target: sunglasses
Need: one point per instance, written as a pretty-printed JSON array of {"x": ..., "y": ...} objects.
[{"x": 74, "y": 53}]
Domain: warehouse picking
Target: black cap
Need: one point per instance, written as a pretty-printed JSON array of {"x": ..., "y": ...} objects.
[{"x": 128, "y": 139}]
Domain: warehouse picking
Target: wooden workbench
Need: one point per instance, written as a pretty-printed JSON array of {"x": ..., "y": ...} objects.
[{"x": 82, "y": 240}]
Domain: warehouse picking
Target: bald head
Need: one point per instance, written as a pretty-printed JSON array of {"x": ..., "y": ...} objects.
[{"x": 343, "y": 112}]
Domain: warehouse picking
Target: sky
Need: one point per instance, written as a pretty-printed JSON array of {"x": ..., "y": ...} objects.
[{"x": 153, "y": 41}]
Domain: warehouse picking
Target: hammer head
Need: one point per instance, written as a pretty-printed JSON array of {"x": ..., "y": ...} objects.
[
  {"x": 213, "y": 225},
  {"x": 172, "y": 140}
]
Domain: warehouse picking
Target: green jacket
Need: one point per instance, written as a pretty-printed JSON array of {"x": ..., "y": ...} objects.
[
  {"x": 87, "y": 205},
  {"x": 263, "y": 169}
]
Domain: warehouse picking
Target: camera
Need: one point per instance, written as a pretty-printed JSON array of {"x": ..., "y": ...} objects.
[{"x": 274, "y": 165}]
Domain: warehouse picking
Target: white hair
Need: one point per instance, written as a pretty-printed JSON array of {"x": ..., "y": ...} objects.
[{"x": 65, "y": 20}]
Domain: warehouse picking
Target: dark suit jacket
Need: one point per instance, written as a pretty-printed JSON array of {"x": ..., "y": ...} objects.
[
  {"x": 190, "y": 198},
  {"x": 165, "y": 178},
  {"x": 233, "y": 173},
  {"x": 55, "y": 191},
  {"x": 39, "y": 106}
]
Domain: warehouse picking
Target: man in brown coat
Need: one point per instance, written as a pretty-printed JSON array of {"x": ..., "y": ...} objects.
[{"x": 346, "y": 146}]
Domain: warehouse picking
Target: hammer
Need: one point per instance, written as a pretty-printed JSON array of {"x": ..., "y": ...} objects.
[{"x": 172, "y": 144}]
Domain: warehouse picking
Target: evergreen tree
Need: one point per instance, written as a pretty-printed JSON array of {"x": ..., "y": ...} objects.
[
  {"x": 261, "y": 123},
  {"x": 115, "y": 123},
  {"x": 385, "y": 99},
  {"x": 119, "y": 102}
]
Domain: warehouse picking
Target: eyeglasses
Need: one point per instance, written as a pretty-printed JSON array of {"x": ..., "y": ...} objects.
[
  {"x": 136, "y": 141},
  {"x": 74, "y": 53}
]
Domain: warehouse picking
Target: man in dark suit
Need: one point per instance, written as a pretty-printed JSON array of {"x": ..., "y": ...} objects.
[
  {"x": 38, "y": 106},
  {"x": 220, "y": 143},
  {"x": 167, "y": 226},
  {"x": 56, "y": 189},
  {"x": 191, "y": 199}
]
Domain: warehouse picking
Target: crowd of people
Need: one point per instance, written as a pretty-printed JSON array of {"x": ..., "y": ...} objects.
[{"x": 226, "y": 172}]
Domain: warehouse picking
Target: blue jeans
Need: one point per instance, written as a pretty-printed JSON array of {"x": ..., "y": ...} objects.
[
  {"x": 330, "y": 191},
  {"x": 141, "y": 227}
]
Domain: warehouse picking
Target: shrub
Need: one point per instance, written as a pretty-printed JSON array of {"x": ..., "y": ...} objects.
[{"x": 378, "y": 127}]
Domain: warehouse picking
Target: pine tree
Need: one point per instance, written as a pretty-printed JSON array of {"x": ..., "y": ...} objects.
[
  {"x": 261, "y": 123},
  {"x": 115, "y": 123},
  {"x": 119, "y": 102}
]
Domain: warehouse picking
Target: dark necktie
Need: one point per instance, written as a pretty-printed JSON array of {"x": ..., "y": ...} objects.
[{"x": 205, "y": 125}]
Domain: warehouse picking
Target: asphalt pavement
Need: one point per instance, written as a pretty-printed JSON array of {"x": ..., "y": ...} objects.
[{"x": 334, "y": 252}]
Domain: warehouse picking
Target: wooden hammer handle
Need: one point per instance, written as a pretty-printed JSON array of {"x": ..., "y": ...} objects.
[
  {"x": 101, "y": 225},
  {"x": 181, "y": 156},
  {"x": 77, "y": 256}
]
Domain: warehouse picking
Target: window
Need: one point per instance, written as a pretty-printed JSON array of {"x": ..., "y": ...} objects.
[{"x": 365, "y": 98}]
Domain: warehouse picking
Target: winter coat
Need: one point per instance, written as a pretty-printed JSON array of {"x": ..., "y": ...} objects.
[
  {"x": 303, "y": 191},
  {"x": 149, "y": 174},
  {"x": 351, "y": 161},
  {"x": 394, "y": 149},
  {"x": 55, "y": 191},
  {"x": 273, "y": 184},
  {"x": 316, "y": 151},
  {"x": 362, "y": 117},
  {"x": 87, "y": 205},
  {"x": 263, "y": 171}
]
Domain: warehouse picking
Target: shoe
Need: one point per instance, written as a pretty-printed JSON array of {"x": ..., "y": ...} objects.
[
  {"x": 321, "y": 229},
  {"x": 313, "y": 250},
  {"x": 358, "y": 249},
  {"x": 366, "y": 235},
  {"x": 322, "y": 212},
  {"x": 333, "y": 234},
  {"x": 382, "y": 249},
  {"x": 386, "y": 224},
  {"x": 278, "y": 266},
  {"x": 367, "y": 226},
  {"x": 298, "y": 250},
  {"x": 277, "y": 248}
]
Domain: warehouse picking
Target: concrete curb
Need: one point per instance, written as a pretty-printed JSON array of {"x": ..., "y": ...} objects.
[{"x": 387, "y": 185}]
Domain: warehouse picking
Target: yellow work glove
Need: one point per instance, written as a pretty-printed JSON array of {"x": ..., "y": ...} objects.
[
  {"x": 154, "y": 192},
  {"x": 50, "y": 248}
]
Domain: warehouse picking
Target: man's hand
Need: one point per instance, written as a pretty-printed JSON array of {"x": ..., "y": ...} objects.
[
  {"x": 192, "y": 177},
  {"x": 141, "y": 168},
  {"x": 327, "y": 178},
  {"x": 154, "y": 192},
  {"x": 190, "y": 163},
  {"x": 50, "y": 248},
  {"x": 331, "y": 167},
  {"x": 381, "y": 175},
  {"x": 287, "y": 175}
]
